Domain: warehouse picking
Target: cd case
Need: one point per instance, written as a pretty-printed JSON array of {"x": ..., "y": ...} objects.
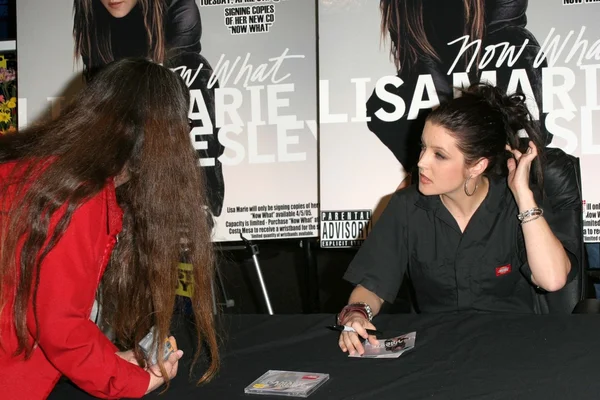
[
  {"x": 287, "y": 383},
  {"x": 389, "y": 348}
]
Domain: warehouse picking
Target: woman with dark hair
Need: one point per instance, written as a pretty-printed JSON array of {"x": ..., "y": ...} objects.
[
  {"x": 92, "y": 204},
  {"x": 420, "y": 33},
  {"x": 165, "y": 31},
  {"x": 108, "y": 30},
  {"x": 476, "y": 234}
]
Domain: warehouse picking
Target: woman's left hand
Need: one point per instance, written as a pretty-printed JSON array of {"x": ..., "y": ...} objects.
[{"x": 519, "y": 168}]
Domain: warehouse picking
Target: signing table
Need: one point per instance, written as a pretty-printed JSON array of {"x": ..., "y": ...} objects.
[{"x": 472, "y": 356}]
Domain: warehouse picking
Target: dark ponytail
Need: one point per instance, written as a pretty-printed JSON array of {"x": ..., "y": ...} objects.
[{"x": 483, "y": 120}]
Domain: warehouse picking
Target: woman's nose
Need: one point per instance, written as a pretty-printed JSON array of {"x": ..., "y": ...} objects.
[{"x": 422, "y": 159}]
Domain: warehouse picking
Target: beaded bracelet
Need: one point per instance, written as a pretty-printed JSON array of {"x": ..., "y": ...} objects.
[{"x": 362, "y": 308}]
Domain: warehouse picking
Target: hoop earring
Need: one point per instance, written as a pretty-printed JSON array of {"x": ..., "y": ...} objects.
[{"x": 467, "y": 188}]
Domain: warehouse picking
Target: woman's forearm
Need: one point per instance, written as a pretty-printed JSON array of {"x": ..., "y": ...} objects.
[
  {"x": 363, "y": 295},
  {"x": 546, "y": 255}
]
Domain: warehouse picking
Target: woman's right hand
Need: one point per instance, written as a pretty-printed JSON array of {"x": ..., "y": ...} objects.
[
  {"x": 350, "y": 341},
  {"x": 156, "y": 378}
]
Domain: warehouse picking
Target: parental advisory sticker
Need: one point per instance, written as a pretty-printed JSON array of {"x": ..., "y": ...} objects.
[{"x": 347, "y": 228}]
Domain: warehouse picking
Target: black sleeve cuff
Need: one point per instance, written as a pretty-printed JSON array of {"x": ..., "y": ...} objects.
[
  {"x": 526, "y": 270},
  {"x": 574, "y": 266},
  {"x": 371, "y": 285}
]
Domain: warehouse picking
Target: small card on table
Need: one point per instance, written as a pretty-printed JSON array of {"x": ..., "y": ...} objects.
[{"x": 389, "y": 348}]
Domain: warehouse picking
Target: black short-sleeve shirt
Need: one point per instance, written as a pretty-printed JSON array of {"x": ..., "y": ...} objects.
[{"x": 483, "y": 268}]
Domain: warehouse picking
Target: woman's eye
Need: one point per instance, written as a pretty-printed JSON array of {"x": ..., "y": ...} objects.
[{"x": 440, "y": 156}]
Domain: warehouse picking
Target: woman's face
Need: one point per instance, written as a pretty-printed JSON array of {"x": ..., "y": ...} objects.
[
  {"x": 119, "y": 8},
  {"x": 441, "y": 164}
]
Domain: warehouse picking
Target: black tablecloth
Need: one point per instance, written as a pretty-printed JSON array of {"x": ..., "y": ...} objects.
[{"x": 475, "y": 356}]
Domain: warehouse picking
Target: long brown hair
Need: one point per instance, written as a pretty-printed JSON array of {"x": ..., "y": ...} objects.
[
  {"x": 91, "y": 24},
  {"x": 132, "y": 117},
  {"x": 402, "y": 20}
]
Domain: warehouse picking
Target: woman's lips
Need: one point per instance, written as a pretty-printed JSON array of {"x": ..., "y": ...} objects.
[
  {"x": 424, "y": 180},
  {"x": 115, "y": 5}
]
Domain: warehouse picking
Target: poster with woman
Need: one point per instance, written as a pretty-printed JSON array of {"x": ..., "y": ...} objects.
[
  {"x": 400, "y": 58},
  {"x": 251, "y": 70}
]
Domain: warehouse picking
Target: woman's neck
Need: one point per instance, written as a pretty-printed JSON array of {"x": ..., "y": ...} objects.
[{"x": 462, "y": 206}]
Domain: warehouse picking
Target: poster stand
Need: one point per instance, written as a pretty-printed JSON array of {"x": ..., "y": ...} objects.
[
  {"x": 252, "y": 248},
  {"x": 311, "y": 276}
]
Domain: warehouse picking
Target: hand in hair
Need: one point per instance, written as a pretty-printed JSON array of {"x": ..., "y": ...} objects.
[{"x": 519, "y": 169}]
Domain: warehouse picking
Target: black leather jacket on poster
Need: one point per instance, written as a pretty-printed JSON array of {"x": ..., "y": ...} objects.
[
  {"x": 505, "y": 21},
  {"x": 183, "y": 30}
]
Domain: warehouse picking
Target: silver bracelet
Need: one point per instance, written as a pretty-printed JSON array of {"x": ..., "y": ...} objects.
[
  {"x": 531, "y": 219},
  {"x": 535, "y": 211}
]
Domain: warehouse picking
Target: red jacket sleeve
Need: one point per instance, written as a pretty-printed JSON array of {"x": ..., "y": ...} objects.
[{"x": 69, "y": 277}]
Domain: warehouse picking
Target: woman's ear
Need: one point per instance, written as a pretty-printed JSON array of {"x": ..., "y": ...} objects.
[{"x": 479, "y": 167}]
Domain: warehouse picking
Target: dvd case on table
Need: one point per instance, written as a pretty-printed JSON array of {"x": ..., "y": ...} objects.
[{"x": 287, "y": 383}]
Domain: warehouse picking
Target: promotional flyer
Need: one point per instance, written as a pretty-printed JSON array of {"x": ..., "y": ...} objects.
[
  {"x": 251, "y": 70},
  {"x": 384, "y": 64}
]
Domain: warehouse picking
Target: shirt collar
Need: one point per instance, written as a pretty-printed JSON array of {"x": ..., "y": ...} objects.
[{"x": 493, "y": 200}]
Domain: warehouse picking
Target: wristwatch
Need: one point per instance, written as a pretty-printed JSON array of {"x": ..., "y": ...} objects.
[{"x": 361, "y": 307}]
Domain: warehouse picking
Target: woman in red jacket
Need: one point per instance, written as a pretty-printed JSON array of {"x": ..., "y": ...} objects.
[{"x": 92, "y": 204}]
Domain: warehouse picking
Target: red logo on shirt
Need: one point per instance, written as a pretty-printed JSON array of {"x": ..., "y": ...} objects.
[
  {"x": 311, "y": 377},
  {"x": 503, "y": 270}
]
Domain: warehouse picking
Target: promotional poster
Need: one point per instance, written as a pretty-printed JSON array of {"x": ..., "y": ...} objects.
[
  {"x": 251, "y": 69},
  {"x": 384, "y": 64},
  {"x": 8, "y": 92}
]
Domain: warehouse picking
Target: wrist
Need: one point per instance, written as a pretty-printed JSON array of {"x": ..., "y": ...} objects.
[
  {"x": 355, "y": 308},
  {"x": 154, "y": 382},
  {"x": 525, "y": 200},
  {"x": 351, "y": 316},
  {"x": 530, "y": 215}
]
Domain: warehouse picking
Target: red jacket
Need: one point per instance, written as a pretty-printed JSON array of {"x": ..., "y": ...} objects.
[{"x": 70, "y": 343}]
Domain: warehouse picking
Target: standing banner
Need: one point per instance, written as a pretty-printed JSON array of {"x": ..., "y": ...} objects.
[
  {"x": 384, "y": 64},
  {"x": 251, "y": 69}
]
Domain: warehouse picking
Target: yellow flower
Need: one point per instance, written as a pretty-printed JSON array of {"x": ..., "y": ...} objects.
[
  {"x": 12, "y": 103},
  {"x": 4, "y": 117}
]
